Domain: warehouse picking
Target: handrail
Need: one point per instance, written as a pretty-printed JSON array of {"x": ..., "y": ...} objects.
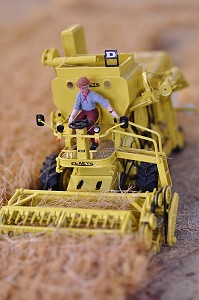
[
  {"x": 141, "y": 137},
  {"x": 157, "y": 144},
  {"x": 151, "y": 131}
]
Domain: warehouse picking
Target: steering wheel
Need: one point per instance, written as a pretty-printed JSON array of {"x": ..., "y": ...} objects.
[{"x": 79, "y": 124}]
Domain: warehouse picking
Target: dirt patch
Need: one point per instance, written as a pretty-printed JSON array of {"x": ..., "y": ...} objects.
[{"x": 178, "y": 277}]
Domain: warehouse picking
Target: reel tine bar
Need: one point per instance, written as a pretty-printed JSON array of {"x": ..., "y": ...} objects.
[{"x": 15, "y": 217}]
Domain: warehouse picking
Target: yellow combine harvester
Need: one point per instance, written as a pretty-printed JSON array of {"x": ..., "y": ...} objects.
[{"x": 120, "y": 183}]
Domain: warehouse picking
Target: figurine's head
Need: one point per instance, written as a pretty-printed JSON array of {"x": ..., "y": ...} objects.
[{"x": 83, "y": 85}]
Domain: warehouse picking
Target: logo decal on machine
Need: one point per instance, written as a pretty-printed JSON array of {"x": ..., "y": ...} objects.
[
  {"x": 82, "y": 163},
  {"x": 111, "y": 58},
  {"x": 94, "y": 84}
]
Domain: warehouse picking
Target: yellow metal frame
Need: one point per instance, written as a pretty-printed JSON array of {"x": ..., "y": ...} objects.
[
  {"x": 83, "y": 157},
  {"x": 33, "y": 211}
]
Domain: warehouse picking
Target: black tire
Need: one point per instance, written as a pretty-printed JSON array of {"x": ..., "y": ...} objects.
[
  {"x": 49, "y": 178},
  {"x": 146, "y": 177}
]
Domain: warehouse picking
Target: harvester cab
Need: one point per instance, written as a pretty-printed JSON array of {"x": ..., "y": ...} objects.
[{"x": 123, "y": 175}]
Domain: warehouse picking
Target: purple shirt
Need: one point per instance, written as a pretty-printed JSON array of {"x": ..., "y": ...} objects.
[{"x": 89, "y": 102}]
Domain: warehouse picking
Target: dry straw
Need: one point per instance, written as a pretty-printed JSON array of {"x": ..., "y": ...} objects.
[{"x": 71, "y": 267}]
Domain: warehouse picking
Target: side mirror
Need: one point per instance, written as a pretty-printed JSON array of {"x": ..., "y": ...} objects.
[{"x": 40, "y": 119}]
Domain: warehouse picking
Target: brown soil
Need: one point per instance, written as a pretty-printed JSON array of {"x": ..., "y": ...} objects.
[
  {"x": 79, "y": 268},
  {"x": 178, "y": 276}
]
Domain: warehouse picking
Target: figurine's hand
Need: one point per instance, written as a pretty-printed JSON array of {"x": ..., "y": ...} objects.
[
  {"x": 114, "y": 114},
  {"x": 70, "y": 119}
]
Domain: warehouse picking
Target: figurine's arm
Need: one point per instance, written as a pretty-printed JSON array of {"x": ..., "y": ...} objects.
[
  {"x": 111, "y": 110},
  {"x": 105, "y": 103},
  {"x": 76, "y": 108},
  {"x": 72, "y": 116}
]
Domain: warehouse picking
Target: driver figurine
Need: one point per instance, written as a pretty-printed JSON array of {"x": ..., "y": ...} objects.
[{"x": 86, "y": 102}]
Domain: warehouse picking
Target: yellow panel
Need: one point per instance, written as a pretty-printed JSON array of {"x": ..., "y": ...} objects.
[{"x": 73, "y": 40}]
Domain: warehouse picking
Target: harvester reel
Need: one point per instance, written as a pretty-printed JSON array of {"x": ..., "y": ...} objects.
[{"x": 79, "y": 124}]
